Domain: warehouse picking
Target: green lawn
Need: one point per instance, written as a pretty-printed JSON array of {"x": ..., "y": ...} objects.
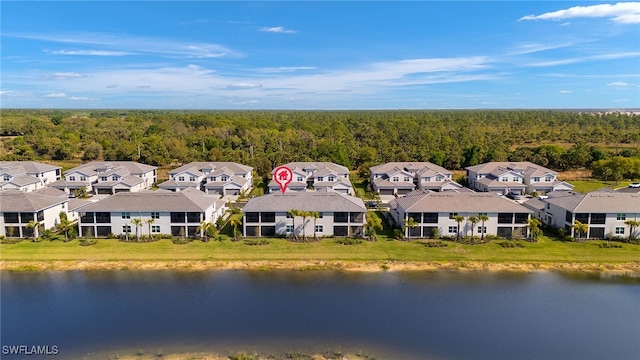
[
  {"x": 585, "y": 186},
  {"x": 545, "y": 250}
]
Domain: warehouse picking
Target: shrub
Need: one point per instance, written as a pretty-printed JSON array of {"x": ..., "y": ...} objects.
[
  {"x": 255, "y": 242},
  {"x": 511, "y": 244},
  {"x": 88, "y": 242},
  {"x": 610, "y": 246},
  {"x": 346, "y": 241},
  {"x": 10, "y": 240},
  {"x": 436, "y": 243},
  {"x": 398, "y": 234},
  {"x": 181, "y": 241}
]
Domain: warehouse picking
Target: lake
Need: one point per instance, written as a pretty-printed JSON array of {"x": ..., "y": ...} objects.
[{"x": 387, "y": 315}]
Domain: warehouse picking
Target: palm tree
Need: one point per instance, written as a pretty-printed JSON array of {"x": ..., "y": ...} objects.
[
  {"x": 35, "y": 226},
  {"x": 206, "y": 229},
  {"x": 305, "y": 215},
  {"x": 632, "y": 224},
  {"x": 459, "y": 219},
  {"x": 149, "y": 222},
  {"x": 580, "y": 228},
  {"x": 483, "y": 218},
  {"x": 138, "y": 224},
  {"x": 64, "y": 225},
  {"x": 534, "y": 228},
  {"x": 293, "y": 213},
  {"x": 315, "y": 215},
  {"x": 235, "y": 223},
  {"x": 473, "y": 220},
  {"x": 373, "y": 223},
  {"x": 409, "y": 223}
]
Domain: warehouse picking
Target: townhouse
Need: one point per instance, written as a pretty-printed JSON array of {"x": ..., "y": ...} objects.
[
  {"x": 18, "y": 209},
  {"x": 514, "y": 177},
  {"x": 161, "y": 212},
  {"x": 398, "y": 178},
  {"x": 605, "y": 212},
  {"x": 436, "y": 211},
  {"x": 108, "y": 177},
  {"x": 220, "y": 178},
  {"x": 335, "y": 214},
  {"x": 27, "y": 176},
  {"x": 316, "y": 176}
]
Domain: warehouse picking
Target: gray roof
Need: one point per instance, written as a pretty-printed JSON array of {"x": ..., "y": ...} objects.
[
  {"x": 188, "y": 200},
  {"x": 31, "y": 167},
  {"x": 18, "y": 201},
  {"x": 200, "y": 165},
  {"x": 324, "y": 201},
  {"x": 450, "y": 201},
  {"x": 599, "y": 202},
  {"x": 525, "y": 167},
  {"x": 316, "y": 166},
  {"x": 131, "y": 166},
  {"x": 419, "y": 167}
]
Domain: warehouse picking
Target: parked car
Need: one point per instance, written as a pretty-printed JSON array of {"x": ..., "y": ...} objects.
[
  {"x": 514, "y": 196},
  {"x": 634, "y": 185}
]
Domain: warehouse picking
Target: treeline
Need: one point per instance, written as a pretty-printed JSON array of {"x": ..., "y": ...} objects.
[{"x": 357, "y": 139}]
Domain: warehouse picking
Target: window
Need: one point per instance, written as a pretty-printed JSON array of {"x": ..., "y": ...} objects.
[
  {"x": 598, "y": 218},
  {"x": 71, "y": 178},
  {"x": 395, "y": 178},
  {"x": 224, "y": 178},
  {"x": 155, "y": 215},
  {"x": 548, "y": 178},
  {"x": 482, "y": 214},
  {"x": 620, "y": 230},
  {"x": 621, "y": 217},
  {"x": 406, "y": 178},
  {"x": 252, "y": 217},
  {"x": 516, "y": 179},
  {"x": 193, "y": 217},
  {"x": 192, "y": 178},
  {"x": 103, "y": 217},
  {"x": 289, "y": 215},
  {"x": 126, "y": 228},
  {"x": 319, "y": 228},
  {"x": 341, "y": 217},
  {"x": 452, "y": 215},
  {"x": 320, "y": 215},
  {"x": 11, "y": 218},
  {"x": 482, "y": 229},
  {"x": 453, "y": 229},
  {"x": 114, "y": 178},
  {"x": 87, "y": 217},
  {"x": 536, "y": 179},
  {"x": 427, "y": 179},
  {"x": 155, "y": 229},
  {"x": 212, "y": 178},
  {"x": 505, "y": 179},
  {"x": 180, "y": 178},
  {"x": 438, "y": 178},
  {"x": 332, "y": 178},
  {"x": 430, "y": 218},
  {"x": 505, "y": 218},
  {"x": 126, "y": 215},
  {"x": 320, "y": 178},
  {"x": 289, "y": 229},
  {"x": 177, "y": 217},
  {"x": 83, "y": 178},
  {"x": 300, "y": 179},
  {"x": 103, "y": 178},
  {"x": 268, "y": 217}
]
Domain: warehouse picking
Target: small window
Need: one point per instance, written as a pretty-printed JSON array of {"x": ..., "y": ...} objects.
[
  {"x": 453, "y": 229},
  {"x": 505, "y": 179},
  {"x": 224, "y": 178},
  {"x": 71, "y": 178},
  {"x": 155, "y": 215},
  {"x": 452, "y": 215},
  {"x": 548, "y": 178},
  {"x": 180, "y": 178},
  {"x": 621, "y": 217},
  {"x": 320, "y": 215},
  {"x": 126, "y": 215},
  {"x": 536, "y": 179},
  {"x": 155, "y": 229},
  {"x": 300, "y": 179},
  {"x": 332, "y": 178},
  {"x": 395, "y": 178},
  {"x": 103, "y": 178},
  {"x": 289, "y": 228},
  {"x": 438, "y": 178},
  {"x": 319, "y": 228},
  {"x": 192, "y": 178},
  {"x": 126, "y": 228},
  {"x": 114, "y": 178},
  {"x": 320, "y": 178},
  {"x": 620, "y": 230},
  {"x": 83, "y": 178},
  {"x": 482, "y": 229},
  {"x": 406, "y": 178},
  {"x": 427, "y": 179},
  {"x": 213, "y": 178}
]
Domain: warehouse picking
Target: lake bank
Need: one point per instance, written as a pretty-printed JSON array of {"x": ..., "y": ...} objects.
[{"x": 627, "y": 268}]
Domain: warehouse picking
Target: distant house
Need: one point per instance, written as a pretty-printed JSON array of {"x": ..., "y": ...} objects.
[
  {"x": 398, "y": 178},
  {"x": 220, "y": 178},
  {"x": 17, "y": 208},
  {"x": 316, "y": 176},
  {"x": 27, "y": 176},
  {"x": 603, "y": 211},
  {"x": 175, "y": 213},
  {"x": 108, "y": 177},
  {"x": 515, "y": 177},
  {"x": 338, "y": 214},
  {"x": 435, "y": 211}
]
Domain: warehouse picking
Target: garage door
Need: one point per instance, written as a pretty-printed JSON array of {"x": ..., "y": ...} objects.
[
  {"x": 386, "y": 191},
  {"x": 104, "y": 191},
  {"x": 404, "y": 191},
  {"x": 233, "y": 192}
]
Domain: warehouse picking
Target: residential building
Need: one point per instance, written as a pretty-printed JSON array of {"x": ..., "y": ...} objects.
[
  {"x": 398, "y": 178},
  {"x": 436, "y": 211},
  {"x": 27, "y": 176},
  {"x": 337, "y": 214},
  {"x": 162, "y": 212},
  {"x": 220, "y": 178},
  {"x": 605, "y": 212},
  {"x": 316, "y": 176},
  {"x": 108, "y": 177},
  {"x": 514, "y": 177},
  {"x": 18, "y": 208}
]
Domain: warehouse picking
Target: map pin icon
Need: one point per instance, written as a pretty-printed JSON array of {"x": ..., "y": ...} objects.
[{"x": 283, "y": 176}]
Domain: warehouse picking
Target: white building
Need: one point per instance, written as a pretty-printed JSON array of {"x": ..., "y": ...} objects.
[
  {"x": 433, "y": 211},
  {"x": 516, "y": 177},
  {"x": 604, "y": 212},
  {"x": 162, "y": 212},
  {"x": 221, "y": 178},
  {"x": 18, "y": 208},
  {"x": 316, "y": 176},
  {"x": 27, "y": 176},
  {"x": 398, "y": 178},
  {"x": 108, "y": 177},
  {"x": 337, "y": 214}
]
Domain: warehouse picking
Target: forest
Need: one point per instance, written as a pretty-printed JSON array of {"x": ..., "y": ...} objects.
[{"x": 560, "y": 140}]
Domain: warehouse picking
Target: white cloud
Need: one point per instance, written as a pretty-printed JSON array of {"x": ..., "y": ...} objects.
[
  {"x": 10, "y": 93},
  {"x": 565, "y": 92},
  {"x": 56, "y": 95},
  {"x": 283, "y": 69},
  {"x": 67, "y": 75},
  {"x": 618, "y": 84},
  {"x": 90, "y": 52},
  {"x": 80, "y": 98},
  {"x": 611, "y": 56},
  {"x": 277, "y": 29},
  {"x": 243, "y": 86},
  {"x": 623, "y": 13}
]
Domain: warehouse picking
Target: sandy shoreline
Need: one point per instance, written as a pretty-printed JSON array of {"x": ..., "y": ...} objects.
[{"x": 630, "y": 269}]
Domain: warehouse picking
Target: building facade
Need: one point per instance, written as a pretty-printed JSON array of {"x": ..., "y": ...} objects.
[
  {"x": 27, "y": 176},
  {"x": 108, "y": 177},
  {"x": 514, "y": 177},
  {"x": 216, "y": 178},
  {"x": 398, "y": 178},
  {"x": 317, "y": 176},
  {"x": 18, "y": 209}
]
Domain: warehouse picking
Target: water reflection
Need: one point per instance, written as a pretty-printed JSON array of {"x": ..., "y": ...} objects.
[{"x": 418, "y": 315}]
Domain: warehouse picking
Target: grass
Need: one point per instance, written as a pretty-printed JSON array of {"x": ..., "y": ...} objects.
[
  {"x": 585, "y": 186},
  {"x": 545, "y": 250}
]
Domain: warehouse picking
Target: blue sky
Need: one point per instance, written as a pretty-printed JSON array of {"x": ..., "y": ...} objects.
[{"x": 320, "y": 55}]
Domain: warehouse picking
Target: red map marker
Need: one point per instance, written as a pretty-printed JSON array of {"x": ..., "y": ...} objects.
[{"x": 283, "y": 176}]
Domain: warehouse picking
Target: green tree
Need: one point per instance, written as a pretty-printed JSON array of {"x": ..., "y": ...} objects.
[
  {"x": 293, "y": 213},
  {"x": 473, "y": 220},
  {"x": 149, "y": 222},
  {"x": 374, "y": 223},
  {"x": 459, "y": 219},
  {"x": 64, "y": 225},
  {"x": 138, "y": 225},
  {"x": 580, "y": 228},
  {"x": 534, "y": 228},
  {"x": 632, "y": 224},
  {"x": 483, "y": 218},
  {"x": 35, "y": 226},
  {"x": 316, "y": 216},
  {"x": 206, "y": 230},
  {"x": 408, "y": 224},
  {"x": 235, "y": 223}
]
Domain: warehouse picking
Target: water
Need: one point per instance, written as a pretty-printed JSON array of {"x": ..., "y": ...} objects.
[{"x": 421, "y": 315}]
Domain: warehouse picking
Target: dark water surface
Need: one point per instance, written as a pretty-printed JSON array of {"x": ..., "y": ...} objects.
[{"x": 413, "y": 315}]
